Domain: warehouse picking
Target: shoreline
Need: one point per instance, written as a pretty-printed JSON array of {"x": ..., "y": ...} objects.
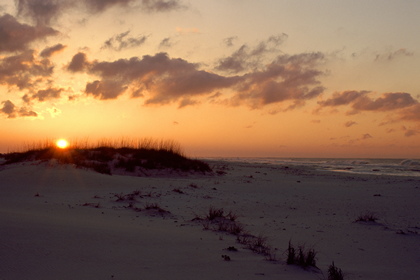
[{"x": 53, "y": 223}]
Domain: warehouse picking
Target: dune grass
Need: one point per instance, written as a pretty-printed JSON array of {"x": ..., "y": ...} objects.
[{"x": 107, "y": 155}]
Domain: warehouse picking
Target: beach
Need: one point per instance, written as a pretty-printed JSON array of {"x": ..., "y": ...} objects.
[{"x": 62, "y": 222}]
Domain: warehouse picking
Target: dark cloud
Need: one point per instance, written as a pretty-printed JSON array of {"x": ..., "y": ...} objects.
[
  {"x": 48, "y": 52},
  {"x": 12, "y": 111},
  {"x": 78, "y": 63},
  {"x": 393, "y": 55},
  {"x": 97, "y": 6},
  {"x": 387, "y": 102},
  {"x": 47, "y": 94},
  {"x": 24, "y": 70},
  {"x": 107, "y": 89},
  {"x": 360, "y": 101},
  {"x": 187, "y": 102},
  {"x": 163, "y": 80},
  {"x": 246, "y": 58},
  {"x": 122, "y": 41},
  {"x": 343, "y": 98},
  {"x": 15, "y": 36},
  {"x": 161, "y": 5},
  {"x": 42, "y": 11},
  {"x": 287, "y": 78}
]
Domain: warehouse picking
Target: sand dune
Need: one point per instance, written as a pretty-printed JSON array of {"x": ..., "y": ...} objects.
[{"x": 60, "y": 222}]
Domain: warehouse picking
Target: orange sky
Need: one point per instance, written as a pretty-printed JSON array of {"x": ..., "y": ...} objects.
[{"x": 222, "y": 78}]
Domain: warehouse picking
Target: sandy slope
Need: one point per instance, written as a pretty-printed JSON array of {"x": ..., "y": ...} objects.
[{"x": 47, "y": 233}]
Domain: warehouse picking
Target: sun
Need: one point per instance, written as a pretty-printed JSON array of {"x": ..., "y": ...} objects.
[{"x": 62, "y": 143}]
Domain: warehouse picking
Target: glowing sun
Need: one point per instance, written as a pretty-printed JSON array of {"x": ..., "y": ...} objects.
[{"x": 62, "y": 143}]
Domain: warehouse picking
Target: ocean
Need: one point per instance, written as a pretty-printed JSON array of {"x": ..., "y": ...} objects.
[{"x": 396, "y": 167}]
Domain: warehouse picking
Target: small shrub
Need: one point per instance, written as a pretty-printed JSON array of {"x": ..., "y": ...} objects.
[
  {"x": 214, "y": 213},
  {"x": 178, "y": 191},
  {"x": 156, "y": 207},
  {"x": 291, "y": 254},
  {"x": 95, "y": 205},
  {"x": 303, "y": 258},
  {"x": 226, "y": 257},
  {"x": 335, "y": 273},
  {"x": 232, "y": 249},
  {"x": 367, "y": 217}
]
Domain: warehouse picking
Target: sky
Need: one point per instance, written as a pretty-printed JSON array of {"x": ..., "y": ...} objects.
[{"x": 241, "y": 78}]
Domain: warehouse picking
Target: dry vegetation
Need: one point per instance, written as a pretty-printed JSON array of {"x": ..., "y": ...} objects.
[{"x": 106, "y": 155}]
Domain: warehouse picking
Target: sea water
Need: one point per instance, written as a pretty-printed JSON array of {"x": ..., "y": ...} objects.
[{"x": 396, "y": 167}]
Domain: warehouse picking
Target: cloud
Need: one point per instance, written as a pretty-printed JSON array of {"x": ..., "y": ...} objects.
[
  {"x": 97, "y": 6},
  {"x": 343, "y": 98},
  {"x": 121, "y": 41},
  {"x": 287, "y": 78},
  {"x": 47, "y": 94},
  {"x": 43, "y": 12},
  {"x": 12, "y": 111},
  {"x": 360, "y": 101},
  {"x": 78, "y": 63},
  {"x": 166, "y": 43},
  {"x": 187, "y": 102},
  {"x": 387, "y": 102},
  {"x": 48, "y": 52},
  {"x": 410, "y": 132},
  {"x": 366, "y": 136},
  {"x": 412, "y": 113},
  {"x": 161, "y": 5},
  {"x": 163, "y": 80},
  {"x": 107, "y": 89},
  {"x": 229, "y": 42},
  {"x": 24, "y": 70},
  {"x": 393, "y": 55},
  {"x": 245, "y": 58},
  {"x": 350, "y": 123},
  {"x": 15, "y": 36}
]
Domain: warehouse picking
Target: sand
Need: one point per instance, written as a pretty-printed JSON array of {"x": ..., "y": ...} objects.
[{"x": 60, "y": 222}]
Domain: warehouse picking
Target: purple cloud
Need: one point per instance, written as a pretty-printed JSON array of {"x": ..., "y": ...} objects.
[
  {"x": 12, "y": 111},
  {"x": 15, "y": 36},
  {"x": 24, "y": 70},
  {"x": 48, "y": 52},
  {"x": 246, "y": 58}
]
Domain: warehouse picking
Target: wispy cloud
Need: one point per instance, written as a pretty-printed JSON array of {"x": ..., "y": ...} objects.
[
  {"x": 229, "y": 42},
  {"x": 166, "y": 43},
  {"x": 392, "y": 55},
  {"x": 245, "y": 57},
  {"x": 123, "y": 41},
  {"x": 350, "y": 123}
]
